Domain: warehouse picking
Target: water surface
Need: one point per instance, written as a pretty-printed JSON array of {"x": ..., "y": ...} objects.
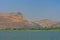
[{"x": 29, "y": 35}]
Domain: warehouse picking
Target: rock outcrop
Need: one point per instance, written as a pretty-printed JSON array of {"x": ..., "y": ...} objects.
[
  {"x": 14, "y": 20},
  {"x": 56, "y": 25},
  {"x": 46, "y": 22}
]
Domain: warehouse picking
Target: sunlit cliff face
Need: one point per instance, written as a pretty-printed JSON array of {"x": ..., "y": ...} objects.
[
  {"x": 45, "y": 22},
  {"x": 16, "y": 20},
  {"x": 10, "y": 17},
  {"x": 13, "y": 19}
]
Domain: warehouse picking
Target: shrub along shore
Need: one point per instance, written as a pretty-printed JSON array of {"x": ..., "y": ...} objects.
[{"x": 31, "y": 29}]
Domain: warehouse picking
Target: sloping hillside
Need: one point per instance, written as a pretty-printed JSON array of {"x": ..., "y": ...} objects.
[
  {"x": 45, "y": 22},
  {"x": 14, "y": 20}
]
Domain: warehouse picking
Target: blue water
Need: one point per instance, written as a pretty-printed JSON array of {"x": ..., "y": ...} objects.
[{"x": 29, "y": 35}]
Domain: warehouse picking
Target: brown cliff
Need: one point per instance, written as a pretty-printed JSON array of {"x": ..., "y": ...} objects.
[
  {"x": 46, "y": 22},
  {"x": 13, "y": 20}
]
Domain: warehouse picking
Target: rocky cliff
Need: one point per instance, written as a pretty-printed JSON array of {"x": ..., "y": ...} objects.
[
  {"x": 14, "y": 20},
  {"x": 46, "y": 22}
]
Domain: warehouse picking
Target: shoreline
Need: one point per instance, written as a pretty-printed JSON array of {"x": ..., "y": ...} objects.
[{"x": 29, "y": 30}]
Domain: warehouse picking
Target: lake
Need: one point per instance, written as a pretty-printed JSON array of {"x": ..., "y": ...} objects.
[{"x": 29, "y": 35}]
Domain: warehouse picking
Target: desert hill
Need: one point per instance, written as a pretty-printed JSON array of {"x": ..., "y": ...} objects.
[
  {"x": 46, "y": 22},
  {"x": 14, "y": 20}
]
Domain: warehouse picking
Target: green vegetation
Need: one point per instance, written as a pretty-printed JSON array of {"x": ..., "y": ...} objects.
[{"x": 32, "y": 29}]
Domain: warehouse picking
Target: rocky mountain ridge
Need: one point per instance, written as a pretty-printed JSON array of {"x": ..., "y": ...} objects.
[
  {"x": 16, "y": 20},
  {"x": 46, "y": 22}
]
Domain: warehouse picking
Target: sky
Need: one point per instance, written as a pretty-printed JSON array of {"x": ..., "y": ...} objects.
[{"x": 33, "y": 10}]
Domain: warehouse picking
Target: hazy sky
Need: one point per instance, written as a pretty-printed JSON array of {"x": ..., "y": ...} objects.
[{"x": 33, "y": 9}]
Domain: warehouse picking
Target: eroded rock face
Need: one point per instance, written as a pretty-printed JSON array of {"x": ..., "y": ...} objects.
[
  {"x": 14, "y": 20},
  {"x": 46, "y": 22},
  {"x": 56, "y": 25},
  {"x": 11, "y": 19}
]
